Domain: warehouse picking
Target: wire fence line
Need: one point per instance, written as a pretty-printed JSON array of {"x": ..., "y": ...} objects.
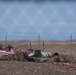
[
  {"x": 35, "y": 37},
  {"x": 38, "y": 37}
]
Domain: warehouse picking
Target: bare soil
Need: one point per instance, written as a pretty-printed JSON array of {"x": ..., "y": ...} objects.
[{"x": 34, "y": 68}]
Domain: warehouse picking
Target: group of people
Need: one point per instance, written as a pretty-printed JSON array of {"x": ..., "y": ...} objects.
[{"x": 55, "y": 55}]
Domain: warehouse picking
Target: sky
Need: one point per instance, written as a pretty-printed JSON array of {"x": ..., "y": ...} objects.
[{"x": 25, "y": 20}]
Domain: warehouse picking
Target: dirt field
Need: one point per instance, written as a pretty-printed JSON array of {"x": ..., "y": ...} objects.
[
  {"x": 64, "y": 47},
  {"x": 34, "y": 68},
  {"x": 25, "y": 68}
]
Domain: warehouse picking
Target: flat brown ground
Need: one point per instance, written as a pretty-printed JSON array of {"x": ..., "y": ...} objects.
[
  {"x": 64, "y": 47},
  {"x": 26, "y": 68},
  {"x": 30, "y": 68}
]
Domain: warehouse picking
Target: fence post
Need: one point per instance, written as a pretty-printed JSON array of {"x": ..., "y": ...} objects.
[
  {"x": 43, "y": 46},
  {"x": 71, "y": 45},
  {"x": 30, "y": 46}
]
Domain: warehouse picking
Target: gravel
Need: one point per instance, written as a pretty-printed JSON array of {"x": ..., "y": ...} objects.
[{"x": 34, "y": 68}]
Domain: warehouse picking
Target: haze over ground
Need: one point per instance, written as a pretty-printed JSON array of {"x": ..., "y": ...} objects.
[{"x": 25, "y": 20}]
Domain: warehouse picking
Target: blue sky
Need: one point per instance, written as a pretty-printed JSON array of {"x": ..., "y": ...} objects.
[{"x": 24, "y": 20}]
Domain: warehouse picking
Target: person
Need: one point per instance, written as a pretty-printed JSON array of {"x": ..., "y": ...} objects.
[
  {"x": 9, "y": 47},
  {"x": 56, "y": 57},
  {"x": 29, "y": 59}
]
